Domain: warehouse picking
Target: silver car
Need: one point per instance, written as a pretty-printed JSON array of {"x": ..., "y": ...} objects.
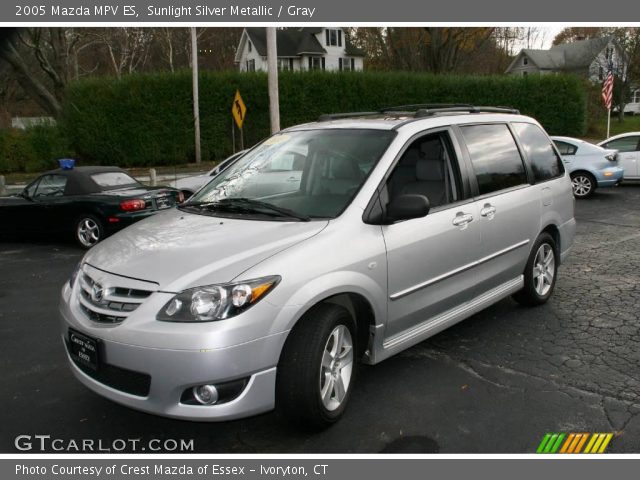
[
  {"x": 401, "y": 224},
  {"x": 191, "y": 184}
]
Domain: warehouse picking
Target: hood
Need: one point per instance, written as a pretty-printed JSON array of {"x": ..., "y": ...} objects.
[{"x": 179, "y": 250}]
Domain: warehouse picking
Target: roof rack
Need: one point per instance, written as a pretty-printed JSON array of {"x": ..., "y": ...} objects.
[{"x": 420, "y": 110}]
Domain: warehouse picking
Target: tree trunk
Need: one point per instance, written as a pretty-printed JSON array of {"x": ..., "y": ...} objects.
[{"x": 31, "y": 85}]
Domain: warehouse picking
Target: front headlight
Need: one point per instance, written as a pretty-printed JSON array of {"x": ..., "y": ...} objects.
[
  {"x": 216, "y": 302},
  {"x": 74, "y": 274}
]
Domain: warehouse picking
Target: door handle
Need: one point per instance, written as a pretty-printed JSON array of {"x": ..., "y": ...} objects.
[
  {"x": 488, "y": 211},
  {"x": 462, "y": 220}
]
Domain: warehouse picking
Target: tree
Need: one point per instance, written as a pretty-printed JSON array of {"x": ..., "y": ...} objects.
[{"x": 40, "y": 59}]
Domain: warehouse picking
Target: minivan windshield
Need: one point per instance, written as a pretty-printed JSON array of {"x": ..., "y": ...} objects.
[{"x": 296, "y": 175}]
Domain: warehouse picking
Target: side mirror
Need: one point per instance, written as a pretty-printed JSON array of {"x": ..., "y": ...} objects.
[{"x": 408, "y": 206}]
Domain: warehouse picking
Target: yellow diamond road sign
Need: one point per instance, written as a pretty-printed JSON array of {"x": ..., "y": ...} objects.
[{"x": 238, "y": 109}]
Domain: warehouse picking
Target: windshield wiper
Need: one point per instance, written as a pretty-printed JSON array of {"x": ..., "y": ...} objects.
[{"x": 250, "y": 206}]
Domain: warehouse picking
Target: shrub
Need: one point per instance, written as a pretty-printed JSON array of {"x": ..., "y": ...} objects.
[
  {"x": 32, "y": 150},
  {"x": 147, "y": 119}
]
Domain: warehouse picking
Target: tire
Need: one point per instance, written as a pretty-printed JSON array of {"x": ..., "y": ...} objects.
[
  {"x": 540, "y": 273},
  {"x": 303, "y": 377},
  {"x": 583, "y": 184},
  {"x": 88, "y": 231}
]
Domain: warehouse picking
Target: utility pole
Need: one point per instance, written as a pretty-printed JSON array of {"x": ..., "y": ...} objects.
[
  {"x": 196, "y": 104},
  {"x": 272, "y": 78}
]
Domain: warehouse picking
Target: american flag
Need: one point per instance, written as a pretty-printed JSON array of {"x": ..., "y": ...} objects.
[{"x": 607, "y": 89}]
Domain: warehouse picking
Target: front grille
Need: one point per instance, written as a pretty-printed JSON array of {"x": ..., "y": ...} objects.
[
  {"x": 107, "y": 304},
  {"x": 127, "y": 381}
]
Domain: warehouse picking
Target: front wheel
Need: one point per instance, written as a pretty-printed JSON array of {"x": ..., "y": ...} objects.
[
  {"x": 317, "y": 367},
  {"x": 583, "y": 184},
  {"x": 88, "y": 231},
  {"x": 540, "y": 272}
]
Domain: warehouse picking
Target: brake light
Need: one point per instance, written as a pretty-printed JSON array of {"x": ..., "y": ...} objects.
[{"x": 132, "y": 205}]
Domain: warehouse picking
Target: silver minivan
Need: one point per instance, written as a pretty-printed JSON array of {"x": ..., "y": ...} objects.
[{"x": 400, "y": 224}]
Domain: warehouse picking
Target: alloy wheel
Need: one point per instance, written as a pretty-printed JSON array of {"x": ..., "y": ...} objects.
[
  {"x": 88, "y": 232},
  {"x": 544, "y": 269},
  {"x": 336, "y": 368},
  {"x": 581, "y": 185}
]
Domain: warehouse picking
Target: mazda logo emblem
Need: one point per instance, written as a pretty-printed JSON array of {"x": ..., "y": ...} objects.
[{"x": 97, "y": 292}]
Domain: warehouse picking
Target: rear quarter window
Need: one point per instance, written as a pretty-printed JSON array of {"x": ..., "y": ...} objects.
[{"x": 545, "y": 163}]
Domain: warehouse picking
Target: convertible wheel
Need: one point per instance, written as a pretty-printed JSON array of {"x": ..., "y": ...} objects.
[
  {"x": 583, "y": 185},
  {"x": 88, "y": 231},
  {"x": 540, "y": 273},
  {"x": 317, "y": 367}
]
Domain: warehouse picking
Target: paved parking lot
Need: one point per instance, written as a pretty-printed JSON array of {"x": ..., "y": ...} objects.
[{"x": 494, "y": 383}]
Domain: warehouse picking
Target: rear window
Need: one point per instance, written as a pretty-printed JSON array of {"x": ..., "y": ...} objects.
[
  {"x": 495, "y": 157},
  {"x": 545, "y": 163},
  {"x": 113, "y": 179}
]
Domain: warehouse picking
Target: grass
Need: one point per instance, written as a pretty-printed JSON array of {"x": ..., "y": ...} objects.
[{"x": 631, "y": 123}]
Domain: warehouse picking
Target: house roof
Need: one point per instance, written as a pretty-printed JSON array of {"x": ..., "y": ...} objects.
[
  {"x": 293, "y": 42},
  {"x": 566, "y": 56}
]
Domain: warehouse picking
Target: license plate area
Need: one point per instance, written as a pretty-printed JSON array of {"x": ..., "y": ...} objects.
[
  {"x": 84, "y": 350},
  {"x": 164, "y": 202}
]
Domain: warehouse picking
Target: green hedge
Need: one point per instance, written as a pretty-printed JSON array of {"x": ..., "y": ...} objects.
[
  {"x": 32, "y": 150},
  {"x": 147, "y": 119}
]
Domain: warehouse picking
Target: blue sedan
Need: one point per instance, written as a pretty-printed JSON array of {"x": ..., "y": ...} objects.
[{"x": 589, "y": 166}]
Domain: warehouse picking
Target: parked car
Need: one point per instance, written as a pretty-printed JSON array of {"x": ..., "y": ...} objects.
[
  {"x": 628, "y": 147},
  {"x": 189, "y": 185},
  {"x": 589, "y": 166},
  {"x": 84, "y": 203},
  {"x": 402, "y": 224}
]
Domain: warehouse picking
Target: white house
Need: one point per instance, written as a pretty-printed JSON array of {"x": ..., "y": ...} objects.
[
  {"x": 308, "y": 48},
  {"x": 588, "y": 58}
]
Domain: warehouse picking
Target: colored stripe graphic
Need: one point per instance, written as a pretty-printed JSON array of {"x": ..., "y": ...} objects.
[{"x": 574, "y": 443}]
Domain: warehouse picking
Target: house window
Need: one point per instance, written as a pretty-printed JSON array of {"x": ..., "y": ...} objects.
[
  {"x": 251, "y": 65},
  {"x": 249, "y": 46},
  {"x": 333, "y": 37},
  {"x": 525, "y": 61},
  {"x": 346, "y": 64},
  {"x": 285, "y": 64},
  {"x": 316, "y": 63}
]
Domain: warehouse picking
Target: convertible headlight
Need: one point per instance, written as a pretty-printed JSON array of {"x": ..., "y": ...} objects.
[{"x": 216, "y": 302}]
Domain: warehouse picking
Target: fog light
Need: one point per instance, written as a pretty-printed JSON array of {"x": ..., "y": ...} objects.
[{"x": 206, "y": 394}]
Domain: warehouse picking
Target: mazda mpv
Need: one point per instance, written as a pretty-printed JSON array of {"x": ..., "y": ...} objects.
[{"x": 394, "y": 226}]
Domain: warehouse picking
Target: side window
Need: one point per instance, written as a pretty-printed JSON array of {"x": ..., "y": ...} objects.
[
  {"x": 426, "y": 168},
  {"x": 624, "y": 144},
  {"x": 51, "y": 186},
  {"x": 545, "y": 163},
  {"x": 495, "y": 157},
  {"x": 565, "y": 148}
]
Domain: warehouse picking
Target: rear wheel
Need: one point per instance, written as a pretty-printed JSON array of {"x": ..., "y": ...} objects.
[
  {"x": 540, "y": 272},
  {"x": 88, "y": 231},
  {"x": 583, "y": 184},
  {"x": 317, "y": 367}
]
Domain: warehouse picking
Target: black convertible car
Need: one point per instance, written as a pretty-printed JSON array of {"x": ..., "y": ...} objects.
[{"x": 89, "y": 203}]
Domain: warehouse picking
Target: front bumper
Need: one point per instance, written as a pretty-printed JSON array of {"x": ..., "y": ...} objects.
[
  {"x": 170, "y": 372},
  {"x": 610, "y": 176}
]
